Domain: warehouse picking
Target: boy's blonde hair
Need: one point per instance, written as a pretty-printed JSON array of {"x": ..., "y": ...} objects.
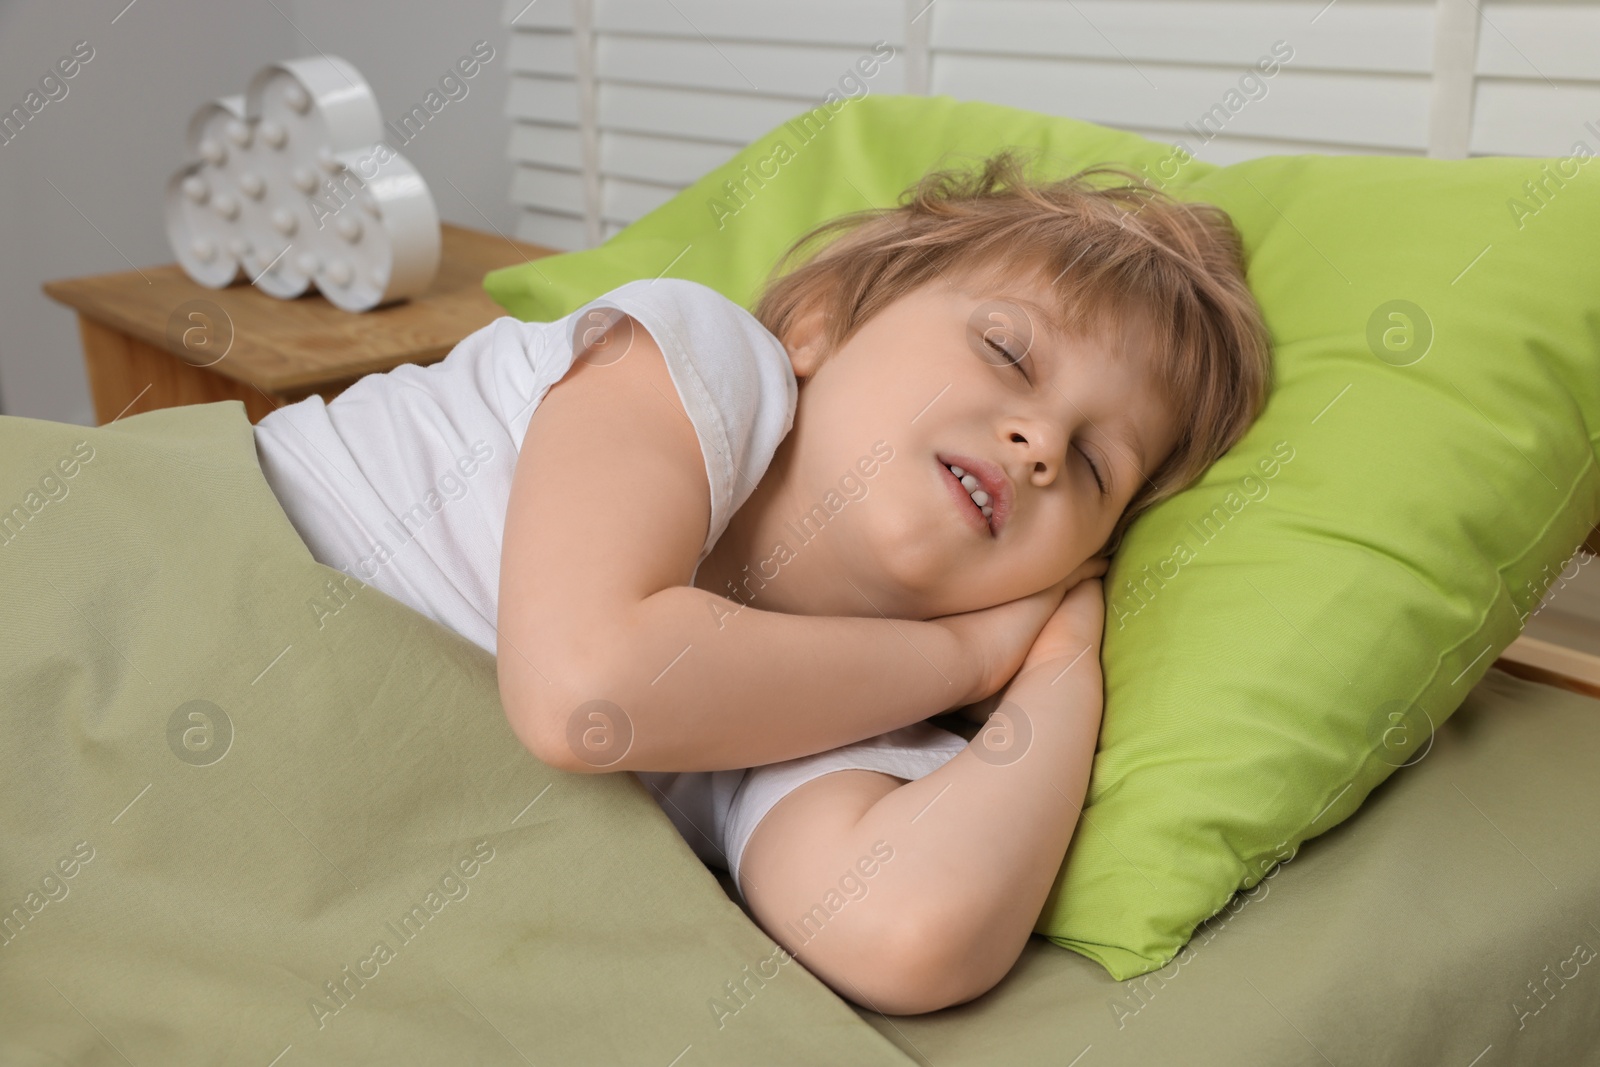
[{"x": 1116, "y": 253}]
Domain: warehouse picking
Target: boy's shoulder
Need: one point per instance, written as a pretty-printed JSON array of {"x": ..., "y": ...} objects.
[{"x": 701, "y": 323}]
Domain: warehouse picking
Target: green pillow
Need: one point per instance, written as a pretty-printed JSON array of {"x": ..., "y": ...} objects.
[{"x": 1284, "y": 634}]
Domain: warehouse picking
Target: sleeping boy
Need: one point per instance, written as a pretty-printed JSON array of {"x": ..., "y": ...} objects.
[{"x": 746, "y": 554}]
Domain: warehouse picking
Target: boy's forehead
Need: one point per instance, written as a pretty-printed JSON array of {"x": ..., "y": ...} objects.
[
  {"x": 1026, "y": 289},
  {"x": 1011, "y": 283}
]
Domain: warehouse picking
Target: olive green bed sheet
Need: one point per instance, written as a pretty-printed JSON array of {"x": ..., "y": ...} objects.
[
  {"x": 254, "y": 812},
  {"x": 1453, "y": 921},
  {"x": 250, "y": 814}
]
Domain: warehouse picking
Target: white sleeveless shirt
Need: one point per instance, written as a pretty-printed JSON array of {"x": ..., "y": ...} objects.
[{"x": 403, "y": 479}]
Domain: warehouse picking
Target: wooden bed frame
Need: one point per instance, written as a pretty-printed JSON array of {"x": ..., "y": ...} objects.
[{"x": 1553, "y": 664}]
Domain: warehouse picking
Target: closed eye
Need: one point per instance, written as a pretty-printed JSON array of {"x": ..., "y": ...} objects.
[
  {"x": 1005, "y": 354},
  {"x": 1100, "y": 481},
  {"x": 1016, "y": 361}
]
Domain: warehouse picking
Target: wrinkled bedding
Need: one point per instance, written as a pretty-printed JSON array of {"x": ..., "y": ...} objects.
[{"x": 256, "y": 812}]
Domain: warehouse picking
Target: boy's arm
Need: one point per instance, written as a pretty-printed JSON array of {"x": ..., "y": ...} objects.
[
  {"x": 1028, "y": 771},
  {"x": 702, "y": 688},
  {"x": 609, "y": 660}
]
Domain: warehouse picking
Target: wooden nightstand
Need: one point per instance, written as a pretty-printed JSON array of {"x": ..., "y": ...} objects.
[{"x": 154, "y": 339}]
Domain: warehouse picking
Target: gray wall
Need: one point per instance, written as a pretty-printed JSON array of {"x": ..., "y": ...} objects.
[{"x": 112, "y": 141}]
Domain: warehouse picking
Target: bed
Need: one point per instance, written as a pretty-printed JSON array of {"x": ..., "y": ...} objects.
[
  {"x": 254, "y": 815},
  {"x": 258, "y": 813}
]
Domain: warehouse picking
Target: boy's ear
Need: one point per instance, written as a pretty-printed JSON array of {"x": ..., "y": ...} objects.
[{"x": 804, "y": 343}]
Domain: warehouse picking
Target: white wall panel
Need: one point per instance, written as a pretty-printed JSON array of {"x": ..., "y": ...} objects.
[
  {"x": 1192, "y": 103},
  {"x": 1538, "y": 79},
  {"x": 798, "y": 72},
  {"x": 545, "y": 144},
  {"x": 1539, "y": 41},
  {"x": 626, "y": 200},
  {"x": 680, "y": 86},
  {"x": 539, "y": 14},
  {"x": 547, "y": 189},
  {"x": 846, "y": 22},
  {"x": 693, "y": 114},
  {"x": 541, "y": 99},
  {"x": 546, "y": 52},
  {"x": 661, "y": 159},
  {"x": 1529, "y": 118},
  {"x": 550, "y": 229},
  {"x": 542, "y": 102},
  {"x": 1350, "y": 35}
]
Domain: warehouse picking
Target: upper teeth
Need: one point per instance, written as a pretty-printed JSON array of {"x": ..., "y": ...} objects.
[{"x": 971, "y": 484}]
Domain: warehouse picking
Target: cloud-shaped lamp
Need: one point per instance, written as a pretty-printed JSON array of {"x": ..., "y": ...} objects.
[{"x": 294, "y": 187}]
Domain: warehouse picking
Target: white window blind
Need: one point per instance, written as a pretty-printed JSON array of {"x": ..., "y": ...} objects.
[{"x": 619, "y": 104}]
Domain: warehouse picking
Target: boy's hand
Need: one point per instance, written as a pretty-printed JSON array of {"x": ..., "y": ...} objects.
[
  {"x": 1077, "y": 625},
  {"x": 1073, "y": 632},
  {"x": 1003, "y": 637}
]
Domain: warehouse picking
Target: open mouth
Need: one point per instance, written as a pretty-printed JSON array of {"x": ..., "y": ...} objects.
[{"x": 970, "y": 497}]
